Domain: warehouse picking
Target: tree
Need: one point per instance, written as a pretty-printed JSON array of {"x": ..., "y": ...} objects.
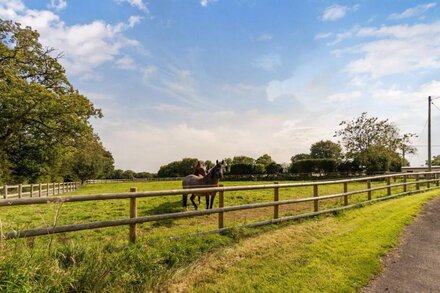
[
  {"x": 435, "y": 161},
  {"x": 375, "y": 144},
  {"x": 274, "y": 168},
  {"x": 264, "y": 160},
  {"x": 178, "y": 168},
  {"x": 41, "y": 115},
  {"x": 299, "y": 157},
  {"x": 243, "y": 160},
  {"x": 325, "y": 150},
  {"x": 89, "y": 161}
]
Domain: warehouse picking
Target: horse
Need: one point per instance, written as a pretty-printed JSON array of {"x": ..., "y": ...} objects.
[{"x": 210, "y": 180}]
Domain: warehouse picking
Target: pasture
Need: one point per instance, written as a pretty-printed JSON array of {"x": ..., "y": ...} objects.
[{"x": 100, "y": 259}]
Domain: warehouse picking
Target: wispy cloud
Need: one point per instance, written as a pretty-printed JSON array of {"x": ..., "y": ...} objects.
[
  {"x": 335, "y": 12},
  {"x": 58, "y": 5},
  {"x": 270, "y": 62},
  {"x": 264, "y": 37},
  {"x": 323, "y": 35},
  {"x": 412, "y": 12},
  {"x": 206, "y": 3},
  {"x": 139, "y": 4}
]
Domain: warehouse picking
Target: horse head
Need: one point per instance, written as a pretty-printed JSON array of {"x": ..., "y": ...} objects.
[{"x": 218, "y": 170}]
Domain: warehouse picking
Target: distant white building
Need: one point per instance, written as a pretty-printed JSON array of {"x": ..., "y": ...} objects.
[{"x": 419, "y": 169}]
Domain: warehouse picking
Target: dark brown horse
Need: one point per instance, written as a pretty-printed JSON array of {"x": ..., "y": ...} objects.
[{"x": 210, "y": 180}]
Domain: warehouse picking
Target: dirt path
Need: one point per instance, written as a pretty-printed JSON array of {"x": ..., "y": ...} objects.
[{"x": 415, "y": 265}]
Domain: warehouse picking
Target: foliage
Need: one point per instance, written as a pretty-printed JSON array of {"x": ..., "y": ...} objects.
[
  {"x": 241, "y": 169},
  {"x": 274, "y": 168},
  {"x": 435, "y": 161},
  {"x": 178, "y": 168},
  {"x": 264, "y": 160},
  {"x": 314, "y": 165},
  {"x": 374, "y": 143},
  {"x": 242, "y": 160},
  {"x": 299, "y": 157},
  {"x": 325, "y": 150},
  {"x": 41, "y": 115}
]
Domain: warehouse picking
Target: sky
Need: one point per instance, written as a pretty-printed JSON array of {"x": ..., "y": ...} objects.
[{"x": 212, "y": 79}]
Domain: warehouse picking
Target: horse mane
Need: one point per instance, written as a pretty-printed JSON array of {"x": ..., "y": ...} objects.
[{"x": 211, "y": 171}]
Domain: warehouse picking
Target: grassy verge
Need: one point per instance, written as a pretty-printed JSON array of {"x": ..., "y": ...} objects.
[{"x": 334, "y": 254}]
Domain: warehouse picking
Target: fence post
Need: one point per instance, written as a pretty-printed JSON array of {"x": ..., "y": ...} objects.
[
  {"x": 58, "y": 188},
  {"x": 369, "y": 189},
  {"x": 5, "y": 191},
  {"x": 221, "y": 204},
  {"x": 53, "y": 188},
  {"x": 20, "y": 190},
  {"x": 388, "y": 185},
  {"x": 436, "y": 177},
  {"x": 40, "y": 189},
  {"x": 133, "y": 215},
  {"x": 428, "y": 184},
  {"x": 276, "y": 197},
  {"x": 345, "y": 196},
  {"x": 417, "y": 182},
  {"x": 47, "y": 189},
  {"x": 31, "y": 191},
  {"x": 405, "y": 187},
  {"x": 315, "y": 194}
]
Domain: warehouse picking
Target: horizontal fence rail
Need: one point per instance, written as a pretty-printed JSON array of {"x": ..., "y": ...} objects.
[
  {"x": 430, "y": 179},
  {"x": 37, "y": 190}
]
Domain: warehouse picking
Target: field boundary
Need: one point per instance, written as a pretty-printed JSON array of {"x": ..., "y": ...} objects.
[{"x": 416, "y": 179}]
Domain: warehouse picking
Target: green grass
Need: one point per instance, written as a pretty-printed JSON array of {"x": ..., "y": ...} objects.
[{"x": 100, "y": 260}]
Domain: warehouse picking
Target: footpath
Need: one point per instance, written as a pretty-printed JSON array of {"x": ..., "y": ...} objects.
[{"x": 415, "y": 265}]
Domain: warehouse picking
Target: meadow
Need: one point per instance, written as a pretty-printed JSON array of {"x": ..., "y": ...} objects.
[{"x": 101, "y": 260}]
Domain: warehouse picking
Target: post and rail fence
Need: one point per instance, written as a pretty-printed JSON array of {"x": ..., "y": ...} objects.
[
  {"x": 403, "y": 180},
  {"x": 37, "y": 189}
]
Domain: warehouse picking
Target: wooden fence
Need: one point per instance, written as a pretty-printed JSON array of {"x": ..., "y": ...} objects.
[
  {"x": 403, "y": 180},
  {"x": 37, "y": 190}
]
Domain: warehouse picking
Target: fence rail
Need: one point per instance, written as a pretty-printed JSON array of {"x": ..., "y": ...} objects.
[
  {"x": 431, "y": 179},
  {"x": 37, "y": 190}
]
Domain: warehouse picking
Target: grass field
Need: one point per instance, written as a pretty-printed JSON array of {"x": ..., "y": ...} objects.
[{"x": 100, "y": 259}]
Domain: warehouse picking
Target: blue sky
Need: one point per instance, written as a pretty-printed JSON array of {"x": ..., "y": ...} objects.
[{"x": 218, "y": 78}]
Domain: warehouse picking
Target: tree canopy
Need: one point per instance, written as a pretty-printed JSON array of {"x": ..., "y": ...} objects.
[
  {"x": 42, "y": 117},
  {"x": 325, "y": 150}
]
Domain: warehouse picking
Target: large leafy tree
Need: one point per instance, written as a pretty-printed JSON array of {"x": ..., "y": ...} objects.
[
  {"x": 41, "y": 115},
  {"x": 435, "y": 161},
  {"x": 325, "y": 150},
  {"x": 375, "y": 144},
  {"x": 264, "y": 160}
]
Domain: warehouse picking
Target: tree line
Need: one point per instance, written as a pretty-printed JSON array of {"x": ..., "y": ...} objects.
[{"x": 365, "y": 144}]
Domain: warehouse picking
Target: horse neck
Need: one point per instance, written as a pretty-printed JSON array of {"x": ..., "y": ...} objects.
[{"x": 211, "y": 179}]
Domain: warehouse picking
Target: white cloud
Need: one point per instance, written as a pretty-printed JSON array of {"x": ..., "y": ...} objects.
[
  {"x": 243, "y": 89},
  {"x": 412, "y": 12},
  {"x": 205, "y": 3},
  {"x": 344, "y": 97},
  {"x": 126, "y": 62},
  {"x": 84, "y": 46},
  {"x": 335, "y": 12},
  {"x": 58, "y": 5},
  {"x": 264, "y": 37},
  {"x": 139, "y": 4},
  {"x": 398, "y": 49},
  {"x": 323, "y": 35},
  {"x": 148, "y": 72},
  {"x": 269, "y": 62}
]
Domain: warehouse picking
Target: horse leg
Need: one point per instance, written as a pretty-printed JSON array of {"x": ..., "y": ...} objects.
[
  {"x": 207, "y": 200},
  {"x": 192, "y": 200},
  {"x": 185, "y": 201},
  {"x": 199, "y": 198},
  {"x": 212, "y": 200}
]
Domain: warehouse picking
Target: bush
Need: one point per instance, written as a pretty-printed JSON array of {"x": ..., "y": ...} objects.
[{"x": 314, "y": 165}]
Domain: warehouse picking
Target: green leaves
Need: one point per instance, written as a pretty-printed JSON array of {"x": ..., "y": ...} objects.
[{"x": 41, "y": 114}]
